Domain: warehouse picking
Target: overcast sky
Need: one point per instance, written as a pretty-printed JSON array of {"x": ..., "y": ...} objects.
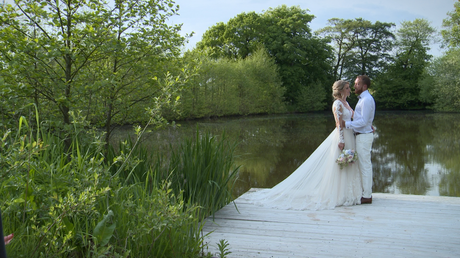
[{"x": 199, "y": 15}]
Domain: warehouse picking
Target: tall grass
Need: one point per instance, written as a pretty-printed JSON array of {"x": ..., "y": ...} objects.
[
  {"x": 203, "y": 169},
  {"x": 69, "y": 203}
]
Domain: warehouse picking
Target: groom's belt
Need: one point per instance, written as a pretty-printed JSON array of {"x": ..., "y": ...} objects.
[{"x": 356, "y": 133}]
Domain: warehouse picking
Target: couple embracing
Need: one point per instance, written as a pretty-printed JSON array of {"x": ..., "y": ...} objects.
[{"x": 320, "y": 183}]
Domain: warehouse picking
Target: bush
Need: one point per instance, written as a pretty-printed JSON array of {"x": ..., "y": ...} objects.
[
  {"x": 203, "y": 170},
  {"x": 227, "y": 87},
  {"x": 311, "y": 98},
  {"x": 69, "y": 204}
]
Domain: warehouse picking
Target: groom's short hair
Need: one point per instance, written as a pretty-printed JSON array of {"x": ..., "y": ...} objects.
[{"x": 365, "y": 80}]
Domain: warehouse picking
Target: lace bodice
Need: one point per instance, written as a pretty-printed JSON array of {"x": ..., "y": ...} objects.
[{"x": 341, "y": 112}]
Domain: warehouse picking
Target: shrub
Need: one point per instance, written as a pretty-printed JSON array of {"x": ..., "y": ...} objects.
[{"x": 68, "y": 204}]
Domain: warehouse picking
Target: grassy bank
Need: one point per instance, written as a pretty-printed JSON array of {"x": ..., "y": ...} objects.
[{"x": 82, "y": 202}]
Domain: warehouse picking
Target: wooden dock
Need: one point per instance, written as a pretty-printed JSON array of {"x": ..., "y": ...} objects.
[{"x": 392, "y": 226}]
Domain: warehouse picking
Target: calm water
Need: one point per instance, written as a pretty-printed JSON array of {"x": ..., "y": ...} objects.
[{"x": 413, "y": 152}]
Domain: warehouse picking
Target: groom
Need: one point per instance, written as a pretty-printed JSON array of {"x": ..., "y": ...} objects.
[{"x": 362, "y": 126}]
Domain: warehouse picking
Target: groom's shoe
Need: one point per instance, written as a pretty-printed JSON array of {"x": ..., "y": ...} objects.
[{"x": 366, "y": 200}]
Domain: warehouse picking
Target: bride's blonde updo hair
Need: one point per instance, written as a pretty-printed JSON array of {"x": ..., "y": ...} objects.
[{"x": 337, "y": 88}]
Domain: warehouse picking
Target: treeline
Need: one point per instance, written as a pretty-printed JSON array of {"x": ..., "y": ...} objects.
[
  {"x": 404, "y": 75},
  {"x": 109, "y": 64}
]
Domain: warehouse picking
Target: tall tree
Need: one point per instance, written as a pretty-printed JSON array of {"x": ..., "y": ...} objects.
[
  {"x": 373, "y": 43},
  {"x": 446, "y": 87},
  {"x": 399, "y": 86},
  {"x": 46, "y": 46},
  {"x": 284, "y": 32},
  {"x": 451, "y": 31},
  {"x": 343, "y": 35},
  {"x": 90, "y": 55},
  {"x": 237, "y": 38},
  {"x": 361, "y": 47},
  {"x": 138, "y": 50},
  {"x": 303, "y": 60},
  {"x": 445, "y": 70}
]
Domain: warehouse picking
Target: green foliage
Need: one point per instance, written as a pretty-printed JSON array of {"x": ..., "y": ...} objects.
[
  {"x": 446, "y": 87},
  {"x": 153, "y": 222},
  {"x": 312, "y": 98},
  {"x": 103, "y": 232},
  {"x": 203, "y": 170},
  {"x": 451, "y": 25},
  {"x": 361, "y": 47},
  {"x": 285, "y": 34},
  {"x": 400, "y": 85},
  {"x": 110, "y": 62},
  {"x": 226, "y": 87},
  {"x": 61, "y": 204},
  {"x": 342, "y": 33},
  {"x": 374, "y": 42},
  {"x": 223, "y": 248},
  {"x": 426, "y": 94}
]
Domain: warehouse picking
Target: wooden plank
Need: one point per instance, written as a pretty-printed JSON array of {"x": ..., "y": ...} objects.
[{"x": 393, "y": 225}]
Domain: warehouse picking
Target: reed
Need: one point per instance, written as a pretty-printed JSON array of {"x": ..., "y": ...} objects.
[
  {"x": 200, "y": 169},
  {"x": 62, "y": 202},
  {"x": 203, "y": 170}
]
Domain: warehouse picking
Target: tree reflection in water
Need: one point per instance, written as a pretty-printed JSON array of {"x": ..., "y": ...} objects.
[
  {"x": 413, "y": 152},
  {"x": 400, "y": 153}
]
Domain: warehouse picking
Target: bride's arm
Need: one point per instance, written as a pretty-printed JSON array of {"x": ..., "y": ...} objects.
[{"x": 337, "y": 110}]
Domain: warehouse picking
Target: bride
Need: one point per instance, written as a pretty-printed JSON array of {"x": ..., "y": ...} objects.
[{"x": 320, "y": 183}]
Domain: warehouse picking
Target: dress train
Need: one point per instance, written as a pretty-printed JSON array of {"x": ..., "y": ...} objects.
[{"x": 319, "y": 183}]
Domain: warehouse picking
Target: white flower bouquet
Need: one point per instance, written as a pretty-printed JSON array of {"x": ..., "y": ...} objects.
[{"x": 347, "y": 157}]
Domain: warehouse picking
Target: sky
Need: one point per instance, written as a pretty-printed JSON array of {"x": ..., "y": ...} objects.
[{"x": 199, "y": 15}]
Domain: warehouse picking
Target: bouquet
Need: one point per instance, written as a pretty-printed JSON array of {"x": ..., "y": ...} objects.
[{"x": 347, "y": 157}]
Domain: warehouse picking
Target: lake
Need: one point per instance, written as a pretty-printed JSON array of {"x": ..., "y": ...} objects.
[{"x": 414, "y": 152}]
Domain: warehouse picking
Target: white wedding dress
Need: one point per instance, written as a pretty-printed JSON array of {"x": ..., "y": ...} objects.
[{"x": 319, "y": 183}]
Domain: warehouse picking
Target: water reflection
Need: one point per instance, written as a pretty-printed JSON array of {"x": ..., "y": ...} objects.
[
  {"x": 400, "y": 153},
  {"x": 445, "y": 149},
  {"x": 416, "y": 153},
  {"x": 413, "y": 152}
]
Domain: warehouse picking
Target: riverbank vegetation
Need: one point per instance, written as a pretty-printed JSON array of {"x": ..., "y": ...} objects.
[
  {"x": 78, "y": 202},
  {"x": 70, "y": 72}
]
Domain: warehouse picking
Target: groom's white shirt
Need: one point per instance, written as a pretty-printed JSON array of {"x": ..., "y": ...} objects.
[{"x": 364, "y": 114}]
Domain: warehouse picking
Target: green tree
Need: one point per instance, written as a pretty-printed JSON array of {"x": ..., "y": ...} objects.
[
  {"x": 88, "y": 55},
  {"x": 285, "y": 33},
  {"x": 237, "y": 38},
  {"x": 343, "y": 35},
  {"x": 45, "y": 48},
  {"x": 302, "y": 58},
  {"x": 360, "y": 46},
  {"x": 373, "y": 43},
  {"x": 399, "y": 87},
  {"x": 451, "y": 31},
  {"x": 446, "y": 70},
  {"x": 232, "y": 86},
  {"x": 138, "y": 56}
]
